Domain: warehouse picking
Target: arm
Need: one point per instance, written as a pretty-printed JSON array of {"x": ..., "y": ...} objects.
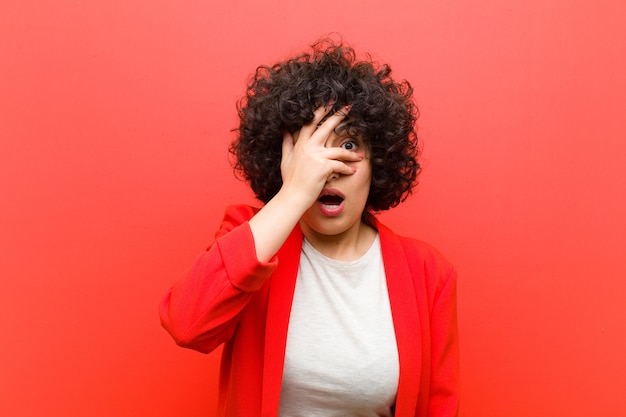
[{"x": 202, "y": 309}]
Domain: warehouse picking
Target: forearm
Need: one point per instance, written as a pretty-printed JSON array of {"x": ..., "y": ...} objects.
[{"x": 274, "y": 222}]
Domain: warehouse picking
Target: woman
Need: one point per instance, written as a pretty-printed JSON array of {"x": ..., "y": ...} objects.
[{"x": 322, "y": 310}]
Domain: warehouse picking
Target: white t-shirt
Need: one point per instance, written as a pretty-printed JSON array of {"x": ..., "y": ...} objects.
[{"x": 341, "y": 358}]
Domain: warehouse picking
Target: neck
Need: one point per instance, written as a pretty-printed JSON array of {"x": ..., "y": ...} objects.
[{"x": 347, "y": 246}]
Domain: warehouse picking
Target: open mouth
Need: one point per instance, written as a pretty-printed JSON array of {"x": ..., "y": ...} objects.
[{"x": 330, "y": 200}]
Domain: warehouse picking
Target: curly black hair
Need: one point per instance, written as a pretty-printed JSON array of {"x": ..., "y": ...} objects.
[{"x": 283, "y": 97}]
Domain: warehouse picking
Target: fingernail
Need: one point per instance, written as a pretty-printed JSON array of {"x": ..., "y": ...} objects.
[
  {"x": 353, "y": 169},
  {"x": 360, "y": 155}
]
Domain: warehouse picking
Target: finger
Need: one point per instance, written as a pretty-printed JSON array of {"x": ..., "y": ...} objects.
[
  {"x": 340, "y": 154},
  {"x": 341, "y": 168},
  {"x": 318, "y": 115},
  {"x": 330, "y": 124}
]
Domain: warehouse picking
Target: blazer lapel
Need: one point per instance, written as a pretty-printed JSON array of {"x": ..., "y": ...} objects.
[
  {"x": 280, "y": 298},
  {"x": 406, "y": 320}
]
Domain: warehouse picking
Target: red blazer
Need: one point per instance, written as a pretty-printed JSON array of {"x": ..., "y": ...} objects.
[{"x": 229, "y": 297}]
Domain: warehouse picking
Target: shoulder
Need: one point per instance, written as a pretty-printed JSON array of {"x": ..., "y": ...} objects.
[
  {"x": 235, "y": 216},
  {"x": 429, "y": 255},
  {"x": 414, "y": 248},
  {"x": 425, "y": 263}
]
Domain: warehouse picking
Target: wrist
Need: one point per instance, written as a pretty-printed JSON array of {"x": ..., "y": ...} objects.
[{"x": 295, "y": 199}]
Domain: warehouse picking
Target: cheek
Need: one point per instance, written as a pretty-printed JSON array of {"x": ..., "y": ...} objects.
[
  {"x": 364, "y": 170},
  {"x": 363, "y": 178}
]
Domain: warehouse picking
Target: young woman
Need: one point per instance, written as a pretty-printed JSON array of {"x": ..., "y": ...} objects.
[{"x": 322, "y": 310}]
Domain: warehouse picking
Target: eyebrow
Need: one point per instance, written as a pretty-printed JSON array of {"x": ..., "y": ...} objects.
[{"x": 346, "y": 126}]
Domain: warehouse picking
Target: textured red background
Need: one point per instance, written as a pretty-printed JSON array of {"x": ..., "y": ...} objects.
[{"x": 114, "y": 122}]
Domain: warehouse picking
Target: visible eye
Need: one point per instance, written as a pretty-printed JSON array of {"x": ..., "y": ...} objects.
[{"x": 349, "y": 145}]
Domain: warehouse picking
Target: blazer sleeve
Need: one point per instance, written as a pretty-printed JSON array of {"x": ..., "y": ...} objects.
[
  {"x": 444, "y": 383},
  {"x": 202, "y": 309}
]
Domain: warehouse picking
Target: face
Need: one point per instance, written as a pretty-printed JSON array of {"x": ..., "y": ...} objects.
[{"x": 338, "y": 210}]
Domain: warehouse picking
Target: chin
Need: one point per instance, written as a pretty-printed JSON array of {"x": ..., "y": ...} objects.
[{"x": 329, "y": 226}]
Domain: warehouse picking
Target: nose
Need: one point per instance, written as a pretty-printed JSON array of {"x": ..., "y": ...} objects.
[{"x": 333, "y": 176}]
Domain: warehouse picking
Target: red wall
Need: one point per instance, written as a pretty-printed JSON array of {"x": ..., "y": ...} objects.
[{"x": 114, "y": 122}]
